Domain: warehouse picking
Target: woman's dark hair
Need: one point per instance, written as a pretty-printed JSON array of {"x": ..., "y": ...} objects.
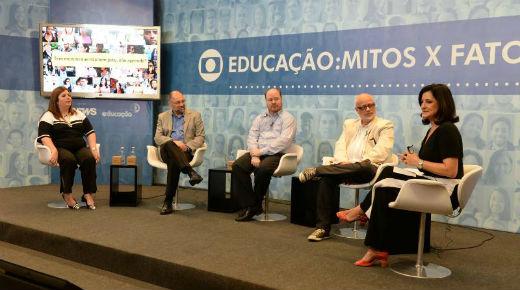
[
  {"x": 53, "y": 103},
  {"x": 444, "y": 98}
]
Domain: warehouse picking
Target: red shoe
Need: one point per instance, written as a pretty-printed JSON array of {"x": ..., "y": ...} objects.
[
  {"x": 363, "y": 220},
  {"x": 346, "y": 216},
  {"x": 382, "y": 257}
]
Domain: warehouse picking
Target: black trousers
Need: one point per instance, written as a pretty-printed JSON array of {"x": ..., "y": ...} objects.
[
  {"x": 393, "y": 230},
  {"x": 69, "y": 161},
  {"x": 331, "y": 177},
  {"x": 246, "y": 195},
  {"x": 177, "y": 161}
]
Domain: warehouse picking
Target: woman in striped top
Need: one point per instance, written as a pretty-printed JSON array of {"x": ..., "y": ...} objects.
[{"x": 63, "y": 129}]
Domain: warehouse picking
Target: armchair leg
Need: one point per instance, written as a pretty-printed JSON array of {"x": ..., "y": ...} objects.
[
  {"x": 352, "y": 233},
  {"x": 266, "y": 216},
  {"x": 181, "y": 206},
  {"x": 419, "y": 269}
]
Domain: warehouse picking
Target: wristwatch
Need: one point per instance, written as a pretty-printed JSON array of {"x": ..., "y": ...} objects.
[{"x": 420, "y": 164}]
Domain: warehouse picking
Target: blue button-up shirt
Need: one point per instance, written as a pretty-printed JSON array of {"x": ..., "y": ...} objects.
[
  {"x": 272, "y": 133},
  {"x": 178, "y": 128}
]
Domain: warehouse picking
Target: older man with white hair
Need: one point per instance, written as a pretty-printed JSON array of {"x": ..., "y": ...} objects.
[{"x": 365, "y": 144}]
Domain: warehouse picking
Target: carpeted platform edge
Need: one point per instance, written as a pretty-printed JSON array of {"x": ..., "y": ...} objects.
[{"x": 155, "y": 271}]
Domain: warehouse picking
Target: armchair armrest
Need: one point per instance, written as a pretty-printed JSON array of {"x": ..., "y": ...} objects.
[
  {"x": 421, "y": 195},
  {"x": 152, "y": 156},
  {"x": 288, "y": 165},
  {"x": 198, "y": 156},
  {"x": 44, "y": 153},
  {"x": 288, "y": 162}
]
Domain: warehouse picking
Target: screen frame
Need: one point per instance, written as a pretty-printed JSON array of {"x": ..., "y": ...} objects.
[{"x": 98, "y": 95}]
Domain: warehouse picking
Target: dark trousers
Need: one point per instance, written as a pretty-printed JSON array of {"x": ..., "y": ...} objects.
[
  {"x": 177, "y": 161},
  {"x": 69, "y": 161},
  {"x": 393, "y": 230},
  {"x": 331, "y": 177},
  {"x": 246, "y": 195}
]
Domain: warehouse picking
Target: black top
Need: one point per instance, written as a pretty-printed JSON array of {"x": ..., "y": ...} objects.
[
  {"x": 69, "y": 135},
  {"x": 445, "y": 142}
]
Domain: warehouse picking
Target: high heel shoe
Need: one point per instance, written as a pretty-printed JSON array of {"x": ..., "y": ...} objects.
[
  {"x": 74, "y": 206},
  {"x": 343, "y": 216},
  {"x": 89, "y": 206},
  {"x": 382, "y": 257}
]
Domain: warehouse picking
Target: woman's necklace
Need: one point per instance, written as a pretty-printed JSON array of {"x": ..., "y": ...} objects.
[{"x": 66, "y": 118}]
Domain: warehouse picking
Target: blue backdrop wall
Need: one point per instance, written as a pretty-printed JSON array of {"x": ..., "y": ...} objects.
[
  {"x": 224, "y": 54},
  {"x": 117, "y": 122}
]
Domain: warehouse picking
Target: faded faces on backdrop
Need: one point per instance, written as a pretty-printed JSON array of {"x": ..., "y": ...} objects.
[
  {"x": 328, "y": 124},
  {"x": 471, "y": 129},
  {"x": 500, "y": 134}
]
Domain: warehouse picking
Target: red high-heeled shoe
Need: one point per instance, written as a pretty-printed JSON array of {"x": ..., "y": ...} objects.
[
  {"x": 382, "y": 257},
  {"x": 363, "y": 220},
  {"x": 343, "y": 216}
]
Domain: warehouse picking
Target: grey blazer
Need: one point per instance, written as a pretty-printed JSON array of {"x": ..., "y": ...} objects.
[{"x": 193, "y": 129}]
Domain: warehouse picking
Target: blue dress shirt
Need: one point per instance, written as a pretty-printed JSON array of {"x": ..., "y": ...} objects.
[
  {"x": 272, "y": 133},
  {"x": 178, "y": 128}
]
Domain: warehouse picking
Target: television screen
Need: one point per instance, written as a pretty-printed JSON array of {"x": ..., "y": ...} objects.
[{"x": 101, "y": 61}]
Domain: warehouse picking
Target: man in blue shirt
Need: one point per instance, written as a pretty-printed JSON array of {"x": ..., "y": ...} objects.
[
  {"x": 270, "y": 135},
  {"x": 179, "y": 133}
]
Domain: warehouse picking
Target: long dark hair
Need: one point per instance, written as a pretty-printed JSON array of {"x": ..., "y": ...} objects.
[
  {"x": 446, "y": 111},
  {"x": 53, "y": 103}
]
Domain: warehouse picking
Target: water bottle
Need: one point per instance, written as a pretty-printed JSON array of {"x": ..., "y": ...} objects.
[
  {"x": 131, "y": 159},
  {"x": 122, "y": 154}
]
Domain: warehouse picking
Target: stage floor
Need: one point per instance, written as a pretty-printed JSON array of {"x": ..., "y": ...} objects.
[{"x": 196, "y": 248}]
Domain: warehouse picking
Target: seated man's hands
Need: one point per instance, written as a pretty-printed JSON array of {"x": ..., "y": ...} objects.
[
  {"x": 255, "y": 152},
  {"x": 181, "y": 145},
  {"x": 255, "y": 161}
]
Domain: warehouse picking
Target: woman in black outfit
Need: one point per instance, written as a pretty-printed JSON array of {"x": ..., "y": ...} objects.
[
  {"x": 63, "y": 129},
  {"x": 395, "y": 231}
]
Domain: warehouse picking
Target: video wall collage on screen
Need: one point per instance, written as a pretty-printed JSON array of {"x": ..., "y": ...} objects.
[{"x": 101, "y": 61}]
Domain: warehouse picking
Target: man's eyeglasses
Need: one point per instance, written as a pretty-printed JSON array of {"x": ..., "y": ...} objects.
[{"x": 365, "y": 107}]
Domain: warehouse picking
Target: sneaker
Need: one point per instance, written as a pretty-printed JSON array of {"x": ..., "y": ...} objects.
[
  {"x": 318, "y": 235},
  {"x": 307, "y": 174}
]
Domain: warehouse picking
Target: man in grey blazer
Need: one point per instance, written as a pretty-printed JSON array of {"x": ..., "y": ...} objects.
[{"x": 179, "y": 133}]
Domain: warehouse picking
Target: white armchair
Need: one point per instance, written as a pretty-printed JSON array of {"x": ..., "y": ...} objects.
[
  {"x": 154, "y": 159},
  {"x": 44, "y": 155},
  {"x": 429, "y": 196},
  {"x": 287, "y": 166},
  {"x": 355, "y": 232}
]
